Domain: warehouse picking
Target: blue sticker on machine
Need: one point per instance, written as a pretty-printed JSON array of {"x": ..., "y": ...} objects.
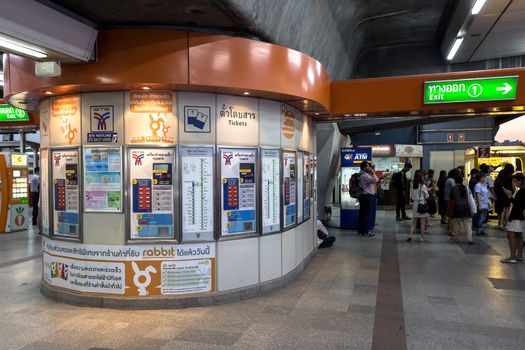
[
  {"x": 355, "y": 156},
  {"x": 155, "y": 225}
]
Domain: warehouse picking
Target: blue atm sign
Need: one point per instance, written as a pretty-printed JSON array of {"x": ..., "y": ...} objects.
[{"x": 355, "y": 156}]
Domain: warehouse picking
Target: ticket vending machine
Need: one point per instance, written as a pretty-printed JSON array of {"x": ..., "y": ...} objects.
[{"x": 14, "y": 192}]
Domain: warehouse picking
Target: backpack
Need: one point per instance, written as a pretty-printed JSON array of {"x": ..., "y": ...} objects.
[{"x": 355, "y": 187}]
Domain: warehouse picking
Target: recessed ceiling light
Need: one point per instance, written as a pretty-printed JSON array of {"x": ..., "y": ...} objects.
[
  {"x": 48, "y": 92},
  {"x": 316, "y": 113},
  {"x": 347, "y": 115},
  {"x": 246, "y": 93},
  {"x": 146, "y": 88},
  {"x": 305, "y": 102}
]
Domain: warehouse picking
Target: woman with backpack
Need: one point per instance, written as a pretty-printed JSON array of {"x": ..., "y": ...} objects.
[{"x": 418, "y": 195}]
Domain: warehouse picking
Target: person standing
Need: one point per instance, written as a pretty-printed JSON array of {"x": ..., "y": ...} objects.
[
  {"x": 367, "y": 182},
  {"x": 516, "y": 220},
  {"x": 442, "y": 203},
  {"x": 400, "y": 183},
  {"x": 35, "y": 193},
  {"x": 419, "y": 195},
  {"x": 449, "y": 186},
  {"x": 503, "y": 181},
  {"x": 432, "y": 190},
  {"x": 461, "y": 220},
  {"x": 481, "y": 195}
]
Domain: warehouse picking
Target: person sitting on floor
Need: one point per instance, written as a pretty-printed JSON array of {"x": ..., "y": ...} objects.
[{"x": 324, "y": 240}]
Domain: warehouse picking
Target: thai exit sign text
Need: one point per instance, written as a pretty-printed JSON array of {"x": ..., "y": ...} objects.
[{"x": 471, "y": 90}]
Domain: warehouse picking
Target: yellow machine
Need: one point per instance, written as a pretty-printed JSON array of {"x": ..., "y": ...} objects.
[
  {"x": 495, "y": 156},
  {"x": 14, "y": 192}
]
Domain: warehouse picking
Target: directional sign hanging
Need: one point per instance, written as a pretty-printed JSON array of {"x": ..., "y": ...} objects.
[{"x": 471, "y": 90}]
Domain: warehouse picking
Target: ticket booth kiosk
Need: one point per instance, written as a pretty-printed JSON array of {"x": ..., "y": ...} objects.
[{"x": 14, "y": 206}]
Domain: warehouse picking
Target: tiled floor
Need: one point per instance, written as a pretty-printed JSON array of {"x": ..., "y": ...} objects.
[{"x": 449, "y": 301}]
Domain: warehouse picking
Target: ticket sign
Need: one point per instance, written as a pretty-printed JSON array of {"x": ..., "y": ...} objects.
[
  {"x": 197, "y": 193},
  {"x": 289, "y": 193},
  {"x": 238, "y": 191},
  {"x": 271, "y": 193},
  {"x": 152, "y": 189},
  {"x": 103, "y": 179},
  {"x": 12, "y": 114},
  {"x": 471, "y": 90},
  {"x": 65, "y": 192}
]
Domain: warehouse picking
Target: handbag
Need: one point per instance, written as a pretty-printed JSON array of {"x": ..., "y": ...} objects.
[
  {"x": 422, "y": 208},
  {"x": 471, "y": 203}
]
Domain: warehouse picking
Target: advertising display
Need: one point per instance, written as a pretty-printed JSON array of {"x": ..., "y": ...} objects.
[
  {"x": 135, "y": 271},
  {"x": 355, "y": 156},
  {"x": 151, "y": 193},
  {"x": 300, "y": 186},
  {"x": 289, "y": 194},
  {"x": 288, "y": 117},
  {"x": 238, "y": 191},
  {"x": 150, "y": 117},
  {"x": 102, "y": 179},
  {"x": 271, "y": 175},
  {"x": 197, "y": 193},
  {"x": 65, "y": 120},
  {"x": 44, "y": 190},
  {"x": 65, "y": 171},
  {"x": 307, "y": 187}
]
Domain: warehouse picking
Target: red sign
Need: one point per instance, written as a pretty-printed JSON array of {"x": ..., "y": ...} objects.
[
  {"x": 450, "y": 137},
  {"x": 461, "y": 137}
]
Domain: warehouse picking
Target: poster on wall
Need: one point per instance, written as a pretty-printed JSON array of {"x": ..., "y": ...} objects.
[
  {"x": 289, "y": 194},
  {"x": 132, "y": 270},
  {"x": 288, "y": 116},
  {"x": 65, "y": 173},
  {"x": 151, "y": 192},
  {"x": 150, "y": 117},
  {"x": 44, "y": 190},
  {"x": 238, "y": 191},
  {"x": 300, "y": 186},
  {"x": 271, "y": 194},
  {"x": 65, "y": 120},
  {"x": 197, "y": 193},
  {"x": 102, "y": 179},
  {"x": 307, "y": 187}
]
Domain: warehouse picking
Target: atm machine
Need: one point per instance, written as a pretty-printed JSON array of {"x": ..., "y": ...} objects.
[{"x": 14, "y": 192}]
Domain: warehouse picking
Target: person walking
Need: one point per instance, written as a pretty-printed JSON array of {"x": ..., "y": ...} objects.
[
  {"x": 35, "y": 193},
  {"x": 367, "y": 181},
  {"x": 400, "y": 183},
  {"x": 481, "y": 195},
  {"x": 461, "y": 219},
  {"x": 418, "y": 196},
  {"x": 442, "y": 203},
  {"x": 503, "y": 181},
  {"x": 516, "y": 220},
  {"x": 473, "y": 179}
]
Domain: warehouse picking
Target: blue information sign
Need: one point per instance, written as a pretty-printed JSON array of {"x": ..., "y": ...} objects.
[{"x": 355, "y": 156}]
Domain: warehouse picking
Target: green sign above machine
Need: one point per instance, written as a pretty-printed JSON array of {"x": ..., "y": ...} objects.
[
  {"x": 12, "y": 114},
  {"x": 471, "y": 90}
]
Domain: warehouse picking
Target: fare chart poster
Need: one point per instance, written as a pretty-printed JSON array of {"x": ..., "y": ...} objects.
[
  {"x": 300, "y": 186},
  {"x": 289, "y": 193},
  {"x": 307, "y": 188},
  {"x": 103, "y": 179},
  {"x": 152, "y": 190},
  {"x": 197, "y": 193},
  {"x": 66, "y": 192},
  {"x": 271, "y": 175},
  {"x": 238, "y": 191}
]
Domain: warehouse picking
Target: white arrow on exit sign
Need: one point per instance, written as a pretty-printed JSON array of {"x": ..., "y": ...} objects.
[{"x": 506, "y": 88}]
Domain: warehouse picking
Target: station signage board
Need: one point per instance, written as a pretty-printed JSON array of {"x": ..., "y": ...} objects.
[
  {"x": 12, "y": 114},
  {"x": 471, "y": 90}
]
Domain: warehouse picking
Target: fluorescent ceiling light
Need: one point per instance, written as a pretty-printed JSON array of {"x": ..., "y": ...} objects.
[
  {"x": 478, "y": 6},
  {"x": 1, "y": 78},
  {"x": 12, "y": 46},
  {"x": 454, "y": 48}
]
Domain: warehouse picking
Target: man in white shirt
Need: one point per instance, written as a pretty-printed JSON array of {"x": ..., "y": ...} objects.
[{"x": 35, "y": 193}]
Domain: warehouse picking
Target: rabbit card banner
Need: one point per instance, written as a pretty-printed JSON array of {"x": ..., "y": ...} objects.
[
  {"x": 150, "y": 117},
  {"x": 138, "y": 270}
]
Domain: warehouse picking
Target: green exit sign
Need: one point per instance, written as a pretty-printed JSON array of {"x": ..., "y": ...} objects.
[
  {"x": 471, "y": 90},
  {"x": 9, "y": 113}
]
